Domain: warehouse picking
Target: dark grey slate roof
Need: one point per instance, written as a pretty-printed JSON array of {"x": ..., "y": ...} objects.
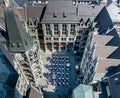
[
  {"x": 103, "y": 21},
  {"x": 18, "y": 39},
  {"x": 109, "y": 2},
  {"x": 114, "y": 12},
  {"x": 60, "y": 12},
  {"x": 115, "y": 54},
  {"x": 8, "y": 74},
  {"x": 115, "y": 41},
  {"x": 34, "y": 12},
  {"x": 86, "y": 11}
]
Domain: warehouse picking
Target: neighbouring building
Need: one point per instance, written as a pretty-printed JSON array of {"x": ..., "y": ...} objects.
[
  {"x": 83, "y": 91},
  {"x": 108, "y": 86},
  {"x": 8, "y": 75},
  {"x": 102, "y": 49},
  {"x": 25, "y": 51}
]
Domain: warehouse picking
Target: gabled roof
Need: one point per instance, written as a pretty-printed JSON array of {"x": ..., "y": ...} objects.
[
  {"x": 115, "y": 54},
  {"x": 18, "y": 39},
  {"x": 104, "y": 51},
  {"x": 93, "y": 11},
  {"x": 34, "y": 12},
  {"x": 114, "y": 12},
  {"x": 116, "y": 40},
  {"x": 102, "y": 39},
  {"x": 109, "y": 2},
  {"x": 20, "y": 12},
  {"x": 59, "y": 12},
  {"x": 103, "y": 21},
  {"x": 102, "y": 65}
]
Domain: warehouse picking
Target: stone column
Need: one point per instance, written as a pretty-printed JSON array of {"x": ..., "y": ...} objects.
[
  {"x": 60, "y": 28},
  {"x": 52, "y": 29},
  {"x": 68, "y": 29}
]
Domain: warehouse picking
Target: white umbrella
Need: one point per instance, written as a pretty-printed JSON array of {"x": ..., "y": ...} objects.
[{"x": 68, "y": 64}]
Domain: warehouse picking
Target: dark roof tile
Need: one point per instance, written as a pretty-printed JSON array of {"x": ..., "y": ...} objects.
[{"x": 16, "y": 34}]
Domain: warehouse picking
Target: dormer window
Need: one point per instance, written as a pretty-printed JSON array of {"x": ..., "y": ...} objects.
[
  {"x": 64, "y": 14},
  {"x": 19, "y": 44},
  {"x": 13, "y": 44},
  {"x": 26, "y": 43},
  {"x": 81, "y": 20},
  {"x": 54, "y": 14}
]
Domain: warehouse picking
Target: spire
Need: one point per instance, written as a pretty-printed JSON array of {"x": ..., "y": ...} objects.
[{"x": 18, "y": 39}]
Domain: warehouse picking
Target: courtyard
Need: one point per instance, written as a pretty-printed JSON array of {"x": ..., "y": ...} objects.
[{"x": 59, "y": 74}]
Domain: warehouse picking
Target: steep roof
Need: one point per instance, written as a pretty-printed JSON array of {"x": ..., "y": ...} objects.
[
  {"x": 115, "y": 54},
  {"x": 116, "y": 40},
  {"x": 59, "y": 12},
  {"x": 107, "y": 46},
  {"x": 18, "y": 39},
  {"x": 102, "y": 65},
  {"x": 103, "y": 21},
  {"x": 108, "y": 52},
  {"x": 114, "y": 12},
  {"x": 102, "y": 39},
  {"x": 104, "y": 51},
  {"x": 20, "y": 12},
  {"x": 34, "y": 12},
  {"x": 93, "y": 11}
]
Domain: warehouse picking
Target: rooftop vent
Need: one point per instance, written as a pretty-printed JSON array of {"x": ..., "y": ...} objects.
[
  {"x": 54, "y": 14},
  {"x": 64, "y": 14},
  {"x": 19, "y": 45}
]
